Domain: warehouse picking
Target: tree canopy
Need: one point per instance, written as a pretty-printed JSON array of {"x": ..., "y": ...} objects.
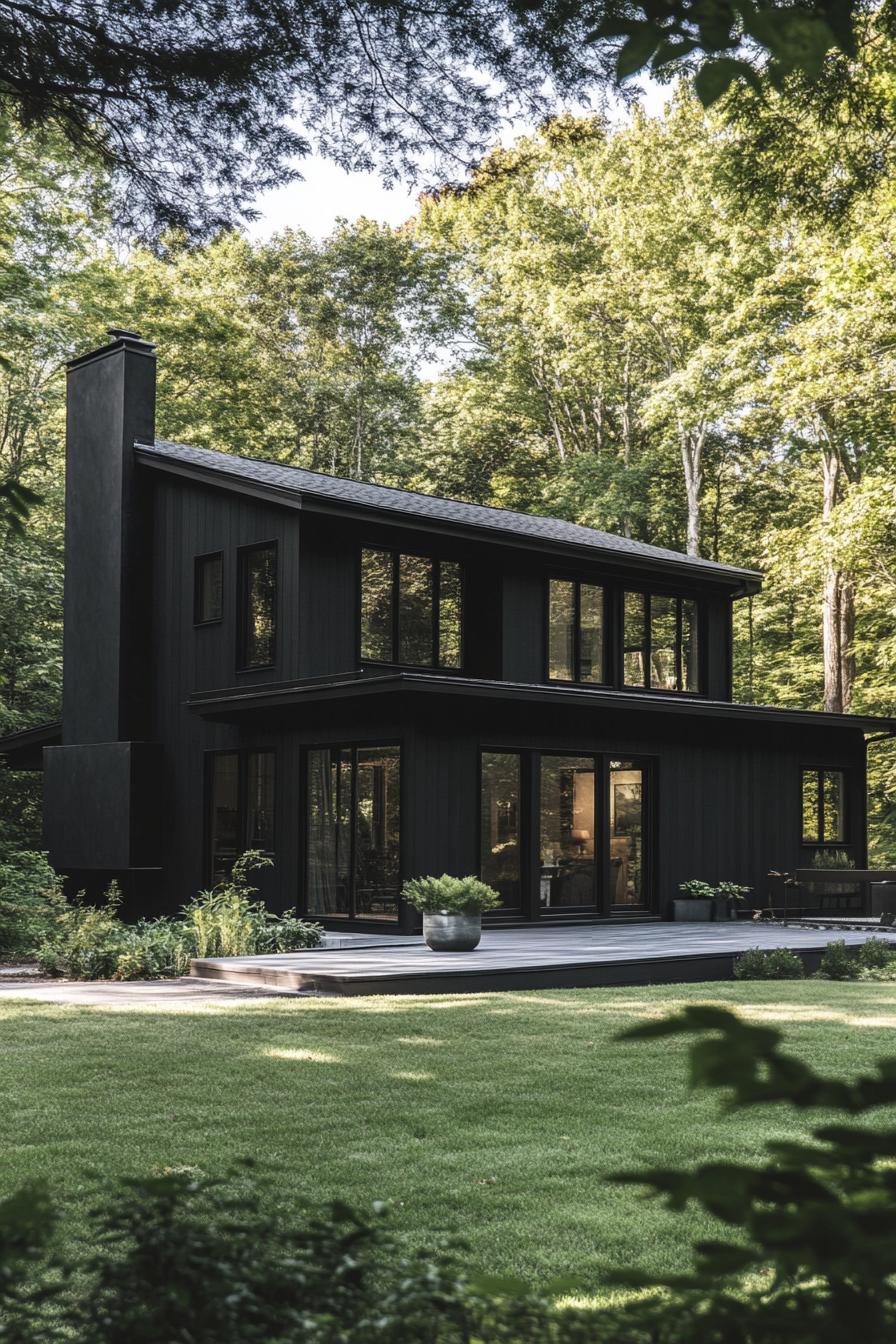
[{"x": 198, "y": 107}]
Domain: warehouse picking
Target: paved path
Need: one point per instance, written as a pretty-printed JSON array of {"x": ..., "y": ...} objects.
[{"x": 174, "y": 994}]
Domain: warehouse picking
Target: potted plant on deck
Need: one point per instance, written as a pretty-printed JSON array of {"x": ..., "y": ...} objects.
[
  {"x": 701, "y": 901},
  {"x": 452, "y": 910},
  {"x": 696, "y": 902},
  {"x": 726, "y": 893}
]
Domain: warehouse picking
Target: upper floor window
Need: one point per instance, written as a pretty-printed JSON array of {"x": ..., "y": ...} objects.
[
  {"x": 411, "y": 609},
  {"x": 824, "y": 807},
  {"x": 258, "y": 605},
  {"x": 208, "y": 591},
  {"x": 660, "y": 642},
  {"x": 575, "y": 631}
]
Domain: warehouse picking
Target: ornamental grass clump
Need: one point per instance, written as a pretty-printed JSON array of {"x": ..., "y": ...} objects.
[
  {"x": 88, "y": 941},
  {"x": 447, "y": 895}
]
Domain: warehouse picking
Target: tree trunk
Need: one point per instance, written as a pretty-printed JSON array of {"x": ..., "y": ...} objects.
[
  {"x": 692, "y": 462},
  {"x": 838, "y": 609}
]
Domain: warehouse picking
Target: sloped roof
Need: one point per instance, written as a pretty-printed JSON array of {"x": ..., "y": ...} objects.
[{"x": 385, "y": 499}]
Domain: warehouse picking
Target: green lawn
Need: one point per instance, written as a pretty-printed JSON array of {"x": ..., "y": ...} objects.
[{"x": 492, "y": 1116}]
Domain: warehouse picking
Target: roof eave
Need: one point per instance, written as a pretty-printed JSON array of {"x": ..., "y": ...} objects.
[{"x": 738, "y": 582}]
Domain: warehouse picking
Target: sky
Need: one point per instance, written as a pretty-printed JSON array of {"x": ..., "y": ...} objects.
[{"x": 329, "y": 193}]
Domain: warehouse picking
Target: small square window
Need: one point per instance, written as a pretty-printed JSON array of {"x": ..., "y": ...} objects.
[{"x": 208, "y": 601}]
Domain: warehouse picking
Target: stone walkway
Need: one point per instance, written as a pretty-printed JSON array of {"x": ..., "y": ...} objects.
[{"x": 173, "y": 994}]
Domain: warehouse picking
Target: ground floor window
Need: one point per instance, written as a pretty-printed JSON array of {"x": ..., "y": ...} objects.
[
  {"x": 499, "y": 801},
  {"x": 587, "y": 853},
  {"x": 240, "y": 792},
  {"x": 353, "y": 832},
  {"x": 824, "y": 807}
]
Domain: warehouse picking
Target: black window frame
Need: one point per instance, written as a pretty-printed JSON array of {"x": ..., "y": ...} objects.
[
  {"x": 820, "y": 771},
  {"x": 577, "y": 583},
  {"x": 647, "y": 594},
  {"x": 530, "y": 831},
  {"x": 395, "y": 554},
  {"x": 353, "y": 747},
  {"x": 243, "y": 841},
  {"x": 198, "y": 562},
  {"x": 242, "y": 587}
]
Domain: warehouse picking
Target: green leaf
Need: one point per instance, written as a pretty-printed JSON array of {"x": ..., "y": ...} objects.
[
  {"x": 639, "y": 48},
  {"x": 715, "y": 78}
]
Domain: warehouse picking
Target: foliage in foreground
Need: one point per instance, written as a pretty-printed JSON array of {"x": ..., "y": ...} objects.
[
  {"x": 85, "y": 941},
  {"x": 181, "y": 1257}
]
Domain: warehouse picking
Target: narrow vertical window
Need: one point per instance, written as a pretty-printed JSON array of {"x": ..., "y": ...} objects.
[
  {"x": 328, "y": 888},
  {"x": 591, "y": 633},
  {"x": 500, "y": 851},
  {"x": 561, "y": 630},
  {"x": 224, "y": 814},
  {"x": 377, "y": 832},
  {"x": 627, "y": 833},
  {"x": 377, "y": 597},
  {"x": 635, "y": 640},
  {"x": 689, "y": 660},
  {"x": 258, "y": 617},
  {"x": 208, "y": 590},
  {"x": 824, "y": 807},
  {"x": 663, "y": 643},
  {"x": 450, "y": 606},
  {"x": 260, "y": 801},
  {"x": 415, "y": 610}
]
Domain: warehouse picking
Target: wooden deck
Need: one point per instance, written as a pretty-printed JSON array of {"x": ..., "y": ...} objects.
[{"x": 528, "y": 959}]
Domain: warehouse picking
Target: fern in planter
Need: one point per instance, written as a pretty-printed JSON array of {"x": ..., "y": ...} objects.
[{"x": 447, "y": 895}]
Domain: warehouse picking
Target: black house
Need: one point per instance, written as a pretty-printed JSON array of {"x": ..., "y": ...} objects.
[{"x": 371, "y": 684}]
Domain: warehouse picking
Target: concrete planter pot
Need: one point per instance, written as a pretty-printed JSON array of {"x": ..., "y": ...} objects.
[
  {"x": 452, "y": 933},
  {"x": 721, "y": 907},
  {"x": 692, "y": 911}
]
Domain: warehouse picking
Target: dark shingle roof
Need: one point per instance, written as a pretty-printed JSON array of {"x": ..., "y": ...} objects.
[{"x": 385, "y": 499}]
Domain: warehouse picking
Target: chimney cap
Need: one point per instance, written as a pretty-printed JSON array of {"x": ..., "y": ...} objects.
[
  {"x": 122, "y": 334},
  {"x": 121, "y": 338}
]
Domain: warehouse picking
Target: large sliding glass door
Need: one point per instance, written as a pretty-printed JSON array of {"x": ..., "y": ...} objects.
[
  {"x": 353, "y": 832},
  {"x": 564, "y": 834}
]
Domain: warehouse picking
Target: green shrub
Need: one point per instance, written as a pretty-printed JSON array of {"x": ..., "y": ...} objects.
[
  {"x": 838, "y": 962},
  {"x": 86, "y": 941},
  {"x": 91, "y": 942},
  {"x": 447, "y": 895},
  {"x": 871, "y": 960},
  {"x": 227, "y": 922},
  {"x": 776, "y": 963},
  {"x": 30, "y": 900}
]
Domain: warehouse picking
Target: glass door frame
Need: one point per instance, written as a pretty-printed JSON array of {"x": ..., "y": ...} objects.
[{"x": 531, "y": 910}]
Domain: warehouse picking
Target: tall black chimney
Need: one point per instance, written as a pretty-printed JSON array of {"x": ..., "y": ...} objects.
[
  {"x": 101, "y": 787},
  {"x": 111, "y": 403}
]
